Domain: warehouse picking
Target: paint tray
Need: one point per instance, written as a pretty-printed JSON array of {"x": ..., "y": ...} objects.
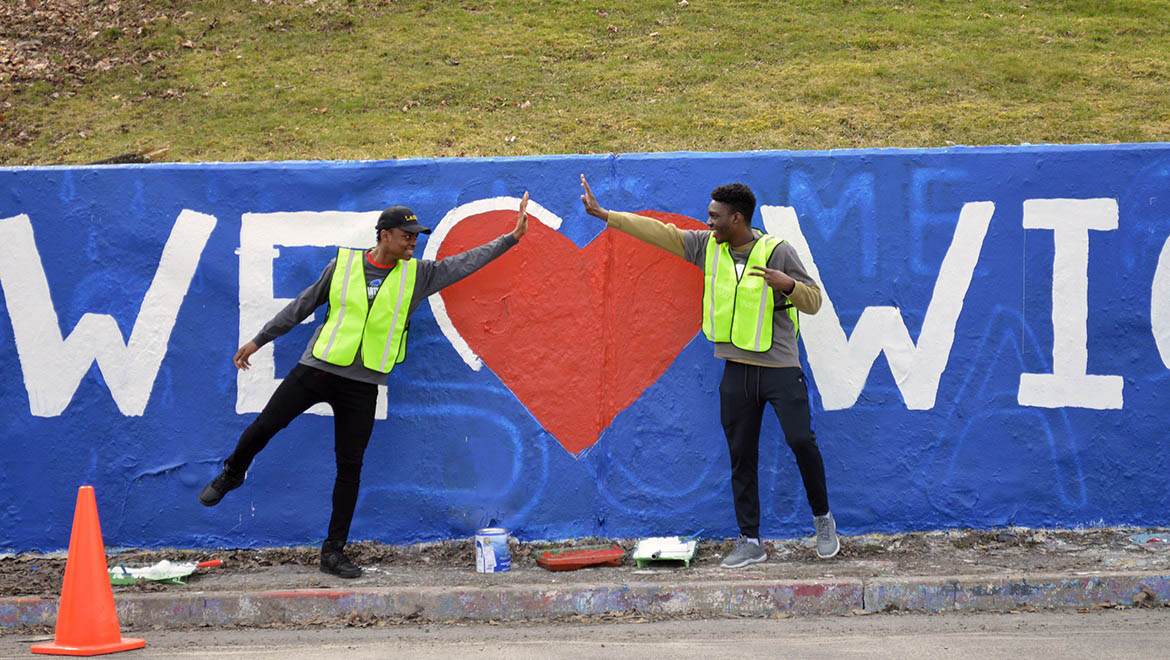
[
  {"x": 573, "y": 557},
  {"x": 164, "y": 571},
  {"x": 665, "y": 548}
]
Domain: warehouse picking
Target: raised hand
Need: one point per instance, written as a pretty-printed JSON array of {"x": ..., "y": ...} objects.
[
  {"x": 521, "y": 219},
  {"x": 591, "y": 206}
]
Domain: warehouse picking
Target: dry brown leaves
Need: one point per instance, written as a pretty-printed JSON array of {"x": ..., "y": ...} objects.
[{"x": 58, "y": 41}]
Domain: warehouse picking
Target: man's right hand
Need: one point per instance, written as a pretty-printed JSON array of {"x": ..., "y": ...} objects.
[
  {"x": 242, "y": 355},
  {"x": 591, "y": 206},
  {"x": 521, "y": 219}
]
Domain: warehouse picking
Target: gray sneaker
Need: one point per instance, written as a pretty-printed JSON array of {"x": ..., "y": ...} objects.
[
  {"x": 744, "y": 553},
  {"x": 828, "y": 545}
]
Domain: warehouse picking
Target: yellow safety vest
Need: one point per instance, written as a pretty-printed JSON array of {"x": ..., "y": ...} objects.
[
  {"x": 379, "y": 329},
  {"x": 739, "y": 309}
]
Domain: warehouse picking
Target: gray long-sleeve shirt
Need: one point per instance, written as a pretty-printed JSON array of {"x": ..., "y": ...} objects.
[
  {"x": 691, "y": 244},
  {"x": 430, "y": 278}
]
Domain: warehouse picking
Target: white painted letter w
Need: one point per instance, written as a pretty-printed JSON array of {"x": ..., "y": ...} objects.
[
  {"x": 841, "y": 365},
  {"x": 53, "y": 366}
]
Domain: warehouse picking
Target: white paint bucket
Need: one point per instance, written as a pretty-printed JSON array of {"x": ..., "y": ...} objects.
[{"x": 491, "y": 550}]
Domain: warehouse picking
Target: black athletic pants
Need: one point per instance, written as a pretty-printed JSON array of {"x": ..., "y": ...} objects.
[
  {"x": 353, "y": 404},
  {"x": 742, "y": 395}
]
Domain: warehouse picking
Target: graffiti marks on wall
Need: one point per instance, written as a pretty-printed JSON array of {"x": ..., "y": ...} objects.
[
  {"x": 852, "y": 204},
  {"x": 842, "y": 365},
  {"x": 579, "y": 309},
  {"x": 985, "y": 355}
]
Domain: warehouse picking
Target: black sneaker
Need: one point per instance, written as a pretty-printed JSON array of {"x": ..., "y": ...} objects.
[
  {"x": 213, "y": 492},
  {"x": 334, "y": 562}
]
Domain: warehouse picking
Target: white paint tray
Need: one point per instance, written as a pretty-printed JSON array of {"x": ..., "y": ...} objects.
[{"x": 665, "y": 548}]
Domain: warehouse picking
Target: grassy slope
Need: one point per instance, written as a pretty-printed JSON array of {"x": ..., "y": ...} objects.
[{"x": 329, "y": 79}]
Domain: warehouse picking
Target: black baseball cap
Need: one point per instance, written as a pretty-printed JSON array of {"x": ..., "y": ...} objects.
[{"x": 400, "y": 217}]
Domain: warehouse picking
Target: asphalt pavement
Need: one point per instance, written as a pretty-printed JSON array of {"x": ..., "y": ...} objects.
[{"x": 1070, "y": 636}]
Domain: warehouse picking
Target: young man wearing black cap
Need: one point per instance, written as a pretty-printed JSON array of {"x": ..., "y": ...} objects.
[
  {"x": 753, "y": 286},
  {"x": 371, "y": 294}
]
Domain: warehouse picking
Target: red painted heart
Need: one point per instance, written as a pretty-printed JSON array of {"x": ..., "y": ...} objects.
[{"x": 577, "y": 334}]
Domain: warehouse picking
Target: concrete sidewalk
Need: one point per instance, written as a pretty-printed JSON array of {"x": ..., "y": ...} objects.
[{"x": 931, "y": 572}]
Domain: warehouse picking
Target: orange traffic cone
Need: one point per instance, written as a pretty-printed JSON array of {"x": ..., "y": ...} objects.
[{"x": 87, "y": 623}]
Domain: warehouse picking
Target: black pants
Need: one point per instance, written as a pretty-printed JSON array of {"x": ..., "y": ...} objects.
[
  {"x": 353, "y": 404},
  {"x": 742, "y": 395}
]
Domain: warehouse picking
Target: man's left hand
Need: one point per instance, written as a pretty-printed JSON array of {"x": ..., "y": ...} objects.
[
  {"x": 521, "y": 219},
  {"x": 777, "y": 279}
]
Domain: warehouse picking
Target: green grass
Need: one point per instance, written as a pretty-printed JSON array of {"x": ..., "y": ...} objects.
[{"x": 329, "y": 79}]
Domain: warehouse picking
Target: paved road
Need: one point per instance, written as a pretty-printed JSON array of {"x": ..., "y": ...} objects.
[{"x": 1098, "y": 634}]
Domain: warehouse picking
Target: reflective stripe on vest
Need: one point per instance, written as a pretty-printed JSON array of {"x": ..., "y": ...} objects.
[
  {"x": 738, "y": 310},
  {"x": 380, "y": 330}
]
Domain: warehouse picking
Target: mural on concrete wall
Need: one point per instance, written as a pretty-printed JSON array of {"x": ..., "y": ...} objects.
[{"x": 993, "y": 347}]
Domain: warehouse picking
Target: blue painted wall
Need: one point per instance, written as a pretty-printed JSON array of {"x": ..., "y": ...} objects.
[{"x": 975, "y": 444}]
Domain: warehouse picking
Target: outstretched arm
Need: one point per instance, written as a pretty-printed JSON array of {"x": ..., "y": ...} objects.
[
  {"x": 435, "y": 275},
  {"x": 660, "y": 235}
]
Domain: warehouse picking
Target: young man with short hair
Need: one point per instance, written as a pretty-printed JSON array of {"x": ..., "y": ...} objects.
[
  {"x": 753, "y": 286},
  {"x": 371, "y": 295}
]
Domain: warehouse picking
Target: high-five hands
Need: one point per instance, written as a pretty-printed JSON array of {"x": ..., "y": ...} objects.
[
  {"x": 591, "y": 206},
  {"x": 777, "y": 279},
  {"x": 521, "y": 219}
]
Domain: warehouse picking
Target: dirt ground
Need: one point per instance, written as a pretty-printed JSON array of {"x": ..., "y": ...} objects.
[{"x": 953, "y": 552}]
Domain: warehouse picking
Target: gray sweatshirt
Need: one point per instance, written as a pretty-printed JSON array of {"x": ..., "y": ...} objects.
[
  {"x": 430, "y": 278},
  {"x": 691, "y": 244}
]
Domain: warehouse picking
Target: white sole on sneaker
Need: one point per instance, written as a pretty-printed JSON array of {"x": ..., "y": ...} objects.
[
  {"x": 832, "y": 554},
  {"x": 747, "y": 562}
]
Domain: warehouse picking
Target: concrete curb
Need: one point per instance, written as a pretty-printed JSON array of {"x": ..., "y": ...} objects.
[
  {"x": 979, "y": 593},
  {"x": 459, "y": 604},
  {"x": 807, "y": 597}
]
